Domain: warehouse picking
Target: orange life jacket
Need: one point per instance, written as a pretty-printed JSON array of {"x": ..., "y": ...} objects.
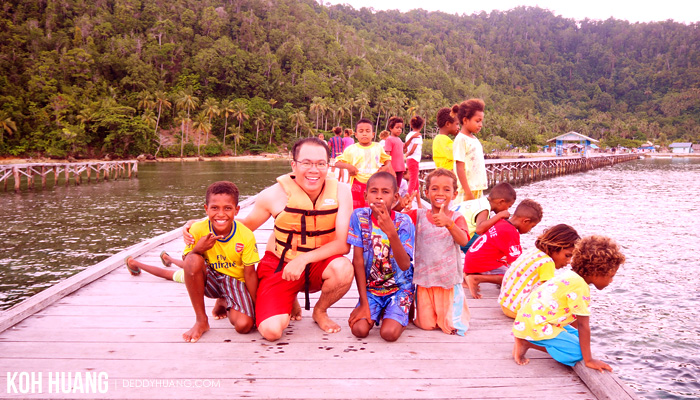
[{"x": 304, "y": 226}]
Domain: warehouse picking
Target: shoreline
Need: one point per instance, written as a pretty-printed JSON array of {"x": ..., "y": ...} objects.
[
  {"x": 277, "y": 156},
  {"x": 259, "y": 157}
]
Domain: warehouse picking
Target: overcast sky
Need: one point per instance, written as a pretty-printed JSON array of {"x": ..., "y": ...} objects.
[{"x": 687, "y": 11}]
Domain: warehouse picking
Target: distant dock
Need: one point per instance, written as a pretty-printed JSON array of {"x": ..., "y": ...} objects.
[
  {"x": 97, "y": 170},
  {"x": 530, "y": 169},
  {"x": 104, "y": 321}
]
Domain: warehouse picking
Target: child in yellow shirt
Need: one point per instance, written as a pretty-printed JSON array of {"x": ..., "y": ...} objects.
[
  {"x": 555, "y": 317},
  {"x": 363, "y": 159}
]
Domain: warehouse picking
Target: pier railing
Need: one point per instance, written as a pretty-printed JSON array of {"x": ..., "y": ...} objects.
[
  {"x": 524, "y": 170},
  {"x": 97, "y": 170}
]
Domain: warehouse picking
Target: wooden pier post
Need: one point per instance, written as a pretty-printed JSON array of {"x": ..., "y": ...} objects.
[
  {"x": 89, "y": 170},
  {"x": 43, "y": 177},
  {"x": 30, "y": 178},
  {"x": 15, "y": 175}
]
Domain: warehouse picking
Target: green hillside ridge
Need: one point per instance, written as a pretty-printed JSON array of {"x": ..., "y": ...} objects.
[{"x": 126, "y": 77}]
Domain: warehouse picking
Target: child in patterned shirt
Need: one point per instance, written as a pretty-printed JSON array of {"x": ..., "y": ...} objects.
[
  {"x": 383, "y": 243},
  {"x": 555, "y": 317}
]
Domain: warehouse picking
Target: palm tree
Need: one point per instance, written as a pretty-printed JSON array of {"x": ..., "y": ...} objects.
[
  {"x": 236, "y": 139},
  {"x": 185, "y": 99},
  {"x": 274, "y": 123},
  {"x": 344, "y": 108},
  {"x": 259, "y": 120},
  {"x": 297, "y": 118},
  {"x": 6, "y": 124},
  {"x": 182, "y": 119},
  {"x": 145, "y": 100},
  {"x": 316, "y": 107},
  {"x": 240, "y": 112},
  {"x": 211, "y": 108},
  {"x": 227, "y": 109},
  {"x": 161, "y": 100},
  {"x": 362, "y": 103},
  {"x": 149, "y": 117},
  {"x": 201, "y": 125}
]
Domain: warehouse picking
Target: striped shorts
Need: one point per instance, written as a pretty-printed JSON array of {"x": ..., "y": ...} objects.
[{"x": 232, "y": 290}]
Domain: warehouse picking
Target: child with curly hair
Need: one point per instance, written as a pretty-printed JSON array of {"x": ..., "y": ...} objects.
[
  {"x": 553, "y": 250},
  {"x": 555, "y": 318}
]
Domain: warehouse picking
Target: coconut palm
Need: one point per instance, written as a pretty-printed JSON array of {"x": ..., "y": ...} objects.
[
  {"x": 275, "y": 122},
  {"x": 201, "y": 125},
  {"x": 211, "y": 108},
  {"x": 317, "y": 107},
  {"x": 182, "y": 119},
  {"x": 226, "y": 108},
  {"x": 362, "y": 104},
  {"x": 259, "y": 121},
  {"x": 161, "y": 100},
  {"x": 185, "y": 99},
  {"x": 298, "y": 118},
  {"x": 240, "y": 112},
  {"x": 145, "y": 100},
  {"x": 149, "y": 118}
]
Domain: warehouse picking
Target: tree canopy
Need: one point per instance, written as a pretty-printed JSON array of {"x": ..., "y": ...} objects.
[{"x": 120, "y": 76}]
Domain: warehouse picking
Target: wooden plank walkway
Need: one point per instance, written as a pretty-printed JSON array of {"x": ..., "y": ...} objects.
[{"x": 130, "y": 328}]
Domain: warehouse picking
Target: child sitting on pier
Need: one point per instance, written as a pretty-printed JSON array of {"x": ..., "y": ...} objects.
[
  {"x": 477, "y": 212},
  {"x": 221, "y": 263},
  {"x": 362, "y": 159},
  {"x": 440, "y": 299},
  {"x": 489, "y": 256},
  {"x": 555, "y": 317},
  {"x": 383, "y": 243},
  {"x": 553, "y": 250}
]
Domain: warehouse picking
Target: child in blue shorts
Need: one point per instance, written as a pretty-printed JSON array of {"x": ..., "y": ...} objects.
[
  {"x": 383, "y": 243},
  {"x": 555, "y": 317}
]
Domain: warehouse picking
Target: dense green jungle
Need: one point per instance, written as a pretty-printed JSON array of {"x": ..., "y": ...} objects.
[{"x": 119, "y": 78}]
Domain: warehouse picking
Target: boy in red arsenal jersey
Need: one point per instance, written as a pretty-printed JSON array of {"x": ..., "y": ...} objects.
[{"x": 491, "y": 254}]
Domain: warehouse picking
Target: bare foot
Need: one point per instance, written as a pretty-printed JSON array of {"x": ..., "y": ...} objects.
[
  {"x": 219, "y": 310},
  {"x": 473, "y": 286},
  {"x": 519, "y": 349},
  {"x": 196, "y": 331},
  {"x": 324, "y": 322},
  {"x": 296, "y": 311}
]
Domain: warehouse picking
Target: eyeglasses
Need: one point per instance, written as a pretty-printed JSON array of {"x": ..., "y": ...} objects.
[{"x": 306, "y": 164}]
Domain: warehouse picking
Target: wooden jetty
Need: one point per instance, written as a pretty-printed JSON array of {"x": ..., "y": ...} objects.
[
  {"x": 103, "y": 170},
  {"x": 128, "y": 329},
  {"x": 525, "y": 170}
]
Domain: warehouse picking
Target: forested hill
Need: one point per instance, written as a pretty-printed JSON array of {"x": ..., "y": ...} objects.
[{"x": 123, "y": 77}]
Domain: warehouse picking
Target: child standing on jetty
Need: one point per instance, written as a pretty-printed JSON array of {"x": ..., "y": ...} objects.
[
  {"x": 362, "y": 160},
  {"x": 555, "y": 317},
  {"x": 477, "y": 212},
  {"x": 383, "y": 243},
  {"x": 414, "y": 151},
  {"x": 468, "y": 153},
  {"x": 553, "y": 250},
  {"x": 489, "y": 256},
  {"x": 221, "y": 263},
  {"x": 393, "y": 146},
  {"x": 440, "y": 300},
  {"x": 442, "y": 144}
]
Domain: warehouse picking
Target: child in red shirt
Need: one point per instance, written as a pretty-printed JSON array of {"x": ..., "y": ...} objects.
[{"x": 492, "y": 253}]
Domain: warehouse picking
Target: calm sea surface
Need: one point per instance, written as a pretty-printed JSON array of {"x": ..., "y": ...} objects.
[{"x": 645, "y": 324}]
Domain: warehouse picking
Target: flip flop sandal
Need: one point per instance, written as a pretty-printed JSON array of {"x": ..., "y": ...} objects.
[
  {"x": 162, "y": 260},
  {"x": 134, "y": 271}
]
